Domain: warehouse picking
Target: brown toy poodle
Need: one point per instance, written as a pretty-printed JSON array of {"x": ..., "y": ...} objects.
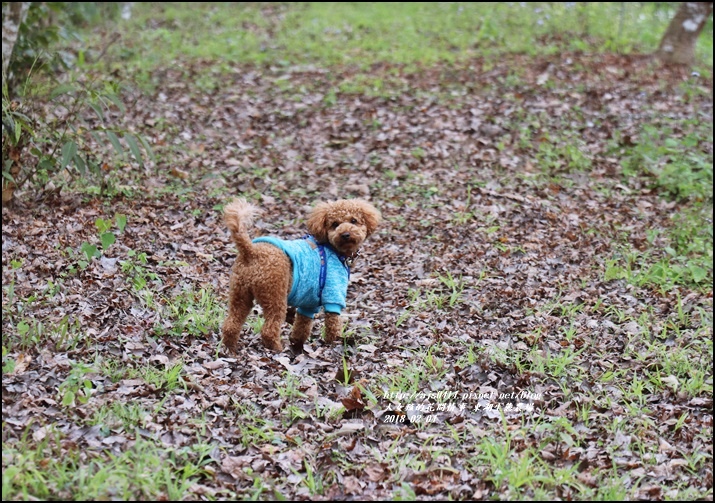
[{"x": 306, "y": 274}]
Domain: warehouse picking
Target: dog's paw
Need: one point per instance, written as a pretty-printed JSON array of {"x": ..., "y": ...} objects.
[
  {"x": 296, "y": 348},
  {"x": 273, "y": 345},
  {"x": 230, "y": 343}
]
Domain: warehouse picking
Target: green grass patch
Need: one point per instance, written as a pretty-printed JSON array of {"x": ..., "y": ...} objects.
[
  {"x": 675, "y": 158},
  {"x": 53, "y": 469},
  {"x": 685, "y": 260},
  {"x": 672, "y": 158},
  {"x": 363, "y": 34},
  {"x": 193, "y": 311}
]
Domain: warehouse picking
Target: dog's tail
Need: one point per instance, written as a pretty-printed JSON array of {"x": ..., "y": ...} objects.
[{"x": 238, "y": 216}]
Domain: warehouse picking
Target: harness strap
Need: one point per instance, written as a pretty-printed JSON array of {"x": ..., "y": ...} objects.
[
  {"x": 323, "y": 264},
  {"x": 323, "y": 272}
]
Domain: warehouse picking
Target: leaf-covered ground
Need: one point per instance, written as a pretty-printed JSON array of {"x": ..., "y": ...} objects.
[{"x": 517, "y": 328}]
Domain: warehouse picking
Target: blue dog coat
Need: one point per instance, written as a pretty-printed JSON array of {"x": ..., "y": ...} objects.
[{"x": 320, "y": 275}]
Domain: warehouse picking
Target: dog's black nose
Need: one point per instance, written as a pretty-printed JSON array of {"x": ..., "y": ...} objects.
[{"x": 345, "y": 236}]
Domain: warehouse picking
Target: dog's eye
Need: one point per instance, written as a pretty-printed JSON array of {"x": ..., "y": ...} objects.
[
  {"x": 334, "y": 225},
  {"x": 353, "y": 221}
]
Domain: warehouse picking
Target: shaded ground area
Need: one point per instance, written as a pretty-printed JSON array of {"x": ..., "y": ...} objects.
[{"x": 518, "y": 254}]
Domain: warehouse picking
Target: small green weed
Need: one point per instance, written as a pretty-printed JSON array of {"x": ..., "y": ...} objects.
[
  {"x": 312, "y": 480},
  {"x": 455, "y": 287},
  {"x": 118, "y": 414},
  {"x": 196, "y": 312},
  {"x": 135, "y": 267},
  {"x": 289, "y": 388},
  {"x": 106, "y": 238},
  {"x": 254, "y": 429},
  {"x": 76, "y": 387},
  {"x": 167, "y": 379},
  {"x": 563, "y": 155},
  {"x": 8, "y": 363}
]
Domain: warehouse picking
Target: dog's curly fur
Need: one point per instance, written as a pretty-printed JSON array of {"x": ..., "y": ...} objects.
[{"x": 263, "y": 272}]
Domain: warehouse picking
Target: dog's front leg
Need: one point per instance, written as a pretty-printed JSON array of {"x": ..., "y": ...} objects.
[
  {"x": 333, "y": 327},
  {"x": 301, "y": 332}
]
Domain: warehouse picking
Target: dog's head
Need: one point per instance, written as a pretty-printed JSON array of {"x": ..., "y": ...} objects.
[{"x": 344, "y": 224}]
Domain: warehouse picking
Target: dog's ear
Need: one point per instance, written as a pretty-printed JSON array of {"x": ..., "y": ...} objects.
[
  {"x": 318, "y": 222},
  {"x": 370, "y": 214}
]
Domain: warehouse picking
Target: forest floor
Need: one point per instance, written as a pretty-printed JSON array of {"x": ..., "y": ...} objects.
[{"x": 533, "y": 318}]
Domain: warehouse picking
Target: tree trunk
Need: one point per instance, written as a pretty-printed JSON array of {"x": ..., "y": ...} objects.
[
  {"x": 678, "y": 43},
  {"x": 13, "y": 15}
]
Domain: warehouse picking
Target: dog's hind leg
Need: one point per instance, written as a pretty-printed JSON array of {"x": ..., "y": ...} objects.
[
  {"x": 239, "y": 307},
  {"x": 275, "y": 314}
]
